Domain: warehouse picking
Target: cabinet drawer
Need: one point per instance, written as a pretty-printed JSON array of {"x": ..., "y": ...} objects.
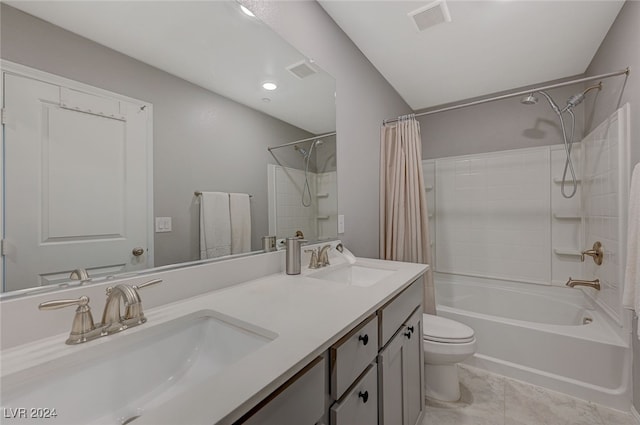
[
  {"x": 351, "y": 355},
  {"x": 396, "y": 311},
  {"x": 360, "y": 405},
  {"x": 300, "y": 401}
]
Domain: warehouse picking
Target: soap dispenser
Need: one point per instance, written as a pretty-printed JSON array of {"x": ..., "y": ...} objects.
[{"x": 293, "y": 255}]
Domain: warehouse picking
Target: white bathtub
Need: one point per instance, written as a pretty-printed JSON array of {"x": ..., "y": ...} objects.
[{"x": 554, "y": 337}]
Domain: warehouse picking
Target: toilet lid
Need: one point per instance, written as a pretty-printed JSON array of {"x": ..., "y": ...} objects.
[{"x": 441, "y": 329}]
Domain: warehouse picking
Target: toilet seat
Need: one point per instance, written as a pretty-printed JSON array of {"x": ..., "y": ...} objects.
[{"x": 443, "y": 330}]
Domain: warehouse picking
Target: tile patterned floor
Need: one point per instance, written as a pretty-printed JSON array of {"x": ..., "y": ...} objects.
[{"x": 489, "y": 399}]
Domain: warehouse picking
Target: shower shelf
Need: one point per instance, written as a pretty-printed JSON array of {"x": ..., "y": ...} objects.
[
  {"x": 322, "y": 195},
  {"x": 558, "y": 180},
  {"x": 566, "y": 216},
  {"x": 567, "y": 251}
]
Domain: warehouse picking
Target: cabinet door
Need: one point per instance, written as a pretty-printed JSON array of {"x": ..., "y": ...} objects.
[
  {"x": 401, "y": 373},
  {"x": 391, "y": 365},
  {"x": 414, "y": 368},
  {"x": 300, "y": 401}
]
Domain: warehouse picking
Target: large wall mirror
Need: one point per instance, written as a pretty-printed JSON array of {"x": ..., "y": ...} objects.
[{"x": 190, "y": 82}]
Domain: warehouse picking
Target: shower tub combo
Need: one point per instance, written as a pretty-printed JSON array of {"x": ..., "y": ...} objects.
[{"x": 554, "y": 337}]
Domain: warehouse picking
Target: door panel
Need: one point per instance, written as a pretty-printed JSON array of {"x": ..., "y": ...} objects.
[{"x": 76, "y": 183}]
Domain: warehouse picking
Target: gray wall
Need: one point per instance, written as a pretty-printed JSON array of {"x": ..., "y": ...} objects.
[
  {"x": 621, "y": 48},
  {"x": 363, "y": 99},
  {"x": 202, "y": 141},
  {"x": 496, "y": 126}
]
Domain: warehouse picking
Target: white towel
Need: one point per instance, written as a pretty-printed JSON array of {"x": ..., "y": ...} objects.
[
  {"x": 215, "y": 225},
  {"x": 631, "y": 293},
  {"x": 240, "y": 211}
]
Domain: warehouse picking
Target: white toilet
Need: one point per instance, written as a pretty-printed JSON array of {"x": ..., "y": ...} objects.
[{"x": 446, "y": 343}]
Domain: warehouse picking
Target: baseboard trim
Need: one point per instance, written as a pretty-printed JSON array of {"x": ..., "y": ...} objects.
[{"x": 635, "y": 414}]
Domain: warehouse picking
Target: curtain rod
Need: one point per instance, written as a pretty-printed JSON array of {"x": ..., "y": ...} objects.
[
  {"x": 270, "y": 148},
  {"x": 520, "y": 93}
]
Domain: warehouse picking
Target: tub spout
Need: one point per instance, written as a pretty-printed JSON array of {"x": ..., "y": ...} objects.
[{"x": 595, "y": 284}]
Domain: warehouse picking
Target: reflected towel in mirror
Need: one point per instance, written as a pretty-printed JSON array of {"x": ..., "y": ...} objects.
[
  {"x": 215, "y": 225},
  {"x": 240, "y": 212}
]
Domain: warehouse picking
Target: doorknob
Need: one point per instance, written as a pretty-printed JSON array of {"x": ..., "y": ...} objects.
[{"x": 138, "y": 251}]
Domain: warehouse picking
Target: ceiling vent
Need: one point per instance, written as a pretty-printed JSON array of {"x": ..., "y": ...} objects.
[
  {"x": 301, "y": 69},
  {"x": 430, "y": 15}
]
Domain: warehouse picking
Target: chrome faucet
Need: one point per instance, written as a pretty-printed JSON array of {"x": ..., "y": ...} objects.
[
  {"x": 83, "y": 329},
  {"x": 323, "y": 256},
  {"x": 112, "y": 319},
  {"x": 595, "y": 284}
]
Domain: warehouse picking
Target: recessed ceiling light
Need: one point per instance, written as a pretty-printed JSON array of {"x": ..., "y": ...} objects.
[
  {"x": 269, "y": 86},
  {"x": 247, "y": 11}
]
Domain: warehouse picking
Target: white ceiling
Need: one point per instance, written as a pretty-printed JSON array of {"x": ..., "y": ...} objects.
[
  {"x": 209, "y": 43},
  {"x": 490, "y": 46}
]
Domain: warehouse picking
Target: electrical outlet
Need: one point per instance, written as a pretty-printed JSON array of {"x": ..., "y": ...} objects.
[{"x": 340, "y": 223}]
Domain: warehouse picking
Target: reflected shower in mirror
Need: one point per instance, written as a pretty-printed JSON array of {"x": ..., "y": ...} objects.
[
  {"x": 304, "y": 199},
  {"x": 191, "y": 77}
]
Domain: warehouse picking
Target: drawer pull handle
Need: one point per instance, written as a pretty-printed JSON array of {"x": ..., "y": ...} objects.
[
  {"x": 364, "y": 339},
  {"x": 410, "y": 328},
  {"x": 364, "y": 396},
  {"x": 408, "y": 335}
]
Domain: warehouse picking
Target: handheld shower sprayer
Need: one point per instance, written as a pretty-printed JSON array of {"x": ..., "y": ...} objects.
[{"x": 572, "y": 102}]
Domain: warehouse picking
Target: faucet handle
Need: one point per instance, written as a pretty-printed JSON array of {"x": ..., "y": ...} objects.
[
  {"x": 56, "y": 304},
  {"x": 83, "y": 329},
  {"x": 313, "y": 261},
  {"x": 149, "y": 283},
  {"x": 597, "y": 253}
]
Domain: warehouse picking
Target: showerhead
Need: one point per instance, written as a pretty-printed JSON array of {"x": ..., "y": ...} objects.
[{"x": 529, "y": 100}]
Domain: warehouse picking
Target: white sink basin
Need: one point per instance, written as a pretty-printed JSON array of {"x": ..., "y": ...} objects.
[
  {"x": 353, "y": 274},
  {"x": 116, "y": 381}
]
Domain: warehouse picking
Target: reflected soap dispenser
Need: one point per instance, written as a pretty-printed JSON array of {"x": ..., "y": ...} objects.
[{"x": 293, "y": 255}]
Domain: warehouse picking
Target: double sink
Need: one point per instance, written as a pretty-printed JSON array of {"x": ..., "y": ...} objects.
[{"x": 115, "y": 381}]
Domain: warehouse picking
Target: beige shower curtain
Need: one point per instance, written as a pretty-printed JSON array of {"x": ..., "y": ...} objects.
[{"x": 404, "y": 225}]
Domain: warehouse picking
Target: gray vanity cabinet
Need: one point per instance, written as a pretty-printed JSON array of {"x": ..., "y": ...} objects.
[
  {"x": 373, "y": 375},
  {"x": 300, "y": 401},
  {"x": 401, "y": 368}
]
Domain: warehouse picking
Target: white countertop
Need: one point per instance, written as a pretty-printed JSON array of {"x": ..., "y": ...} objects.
[{"x": 307, "y": 314}]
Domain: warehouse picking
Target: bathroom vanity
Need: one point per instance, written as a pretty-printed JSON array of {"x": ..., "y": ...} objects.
[{"x": 334, "y": 346}]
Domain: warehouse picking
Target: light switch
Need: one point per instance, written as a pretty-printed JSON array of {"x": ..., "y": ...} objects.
[
  {"x": 340, "y": 223},
  {"x": 163, "y": 224}
]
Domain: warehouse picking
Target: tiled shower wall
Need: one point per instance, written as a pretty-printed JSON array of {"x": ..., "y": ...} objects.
[
  {"x": 493, "y": 216},
  {"x": 605, "y": 188},
  {"x": 286, "y": 212},
  {"x": 327, "y": 206},
  {"x": 502, "y": 215}
]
